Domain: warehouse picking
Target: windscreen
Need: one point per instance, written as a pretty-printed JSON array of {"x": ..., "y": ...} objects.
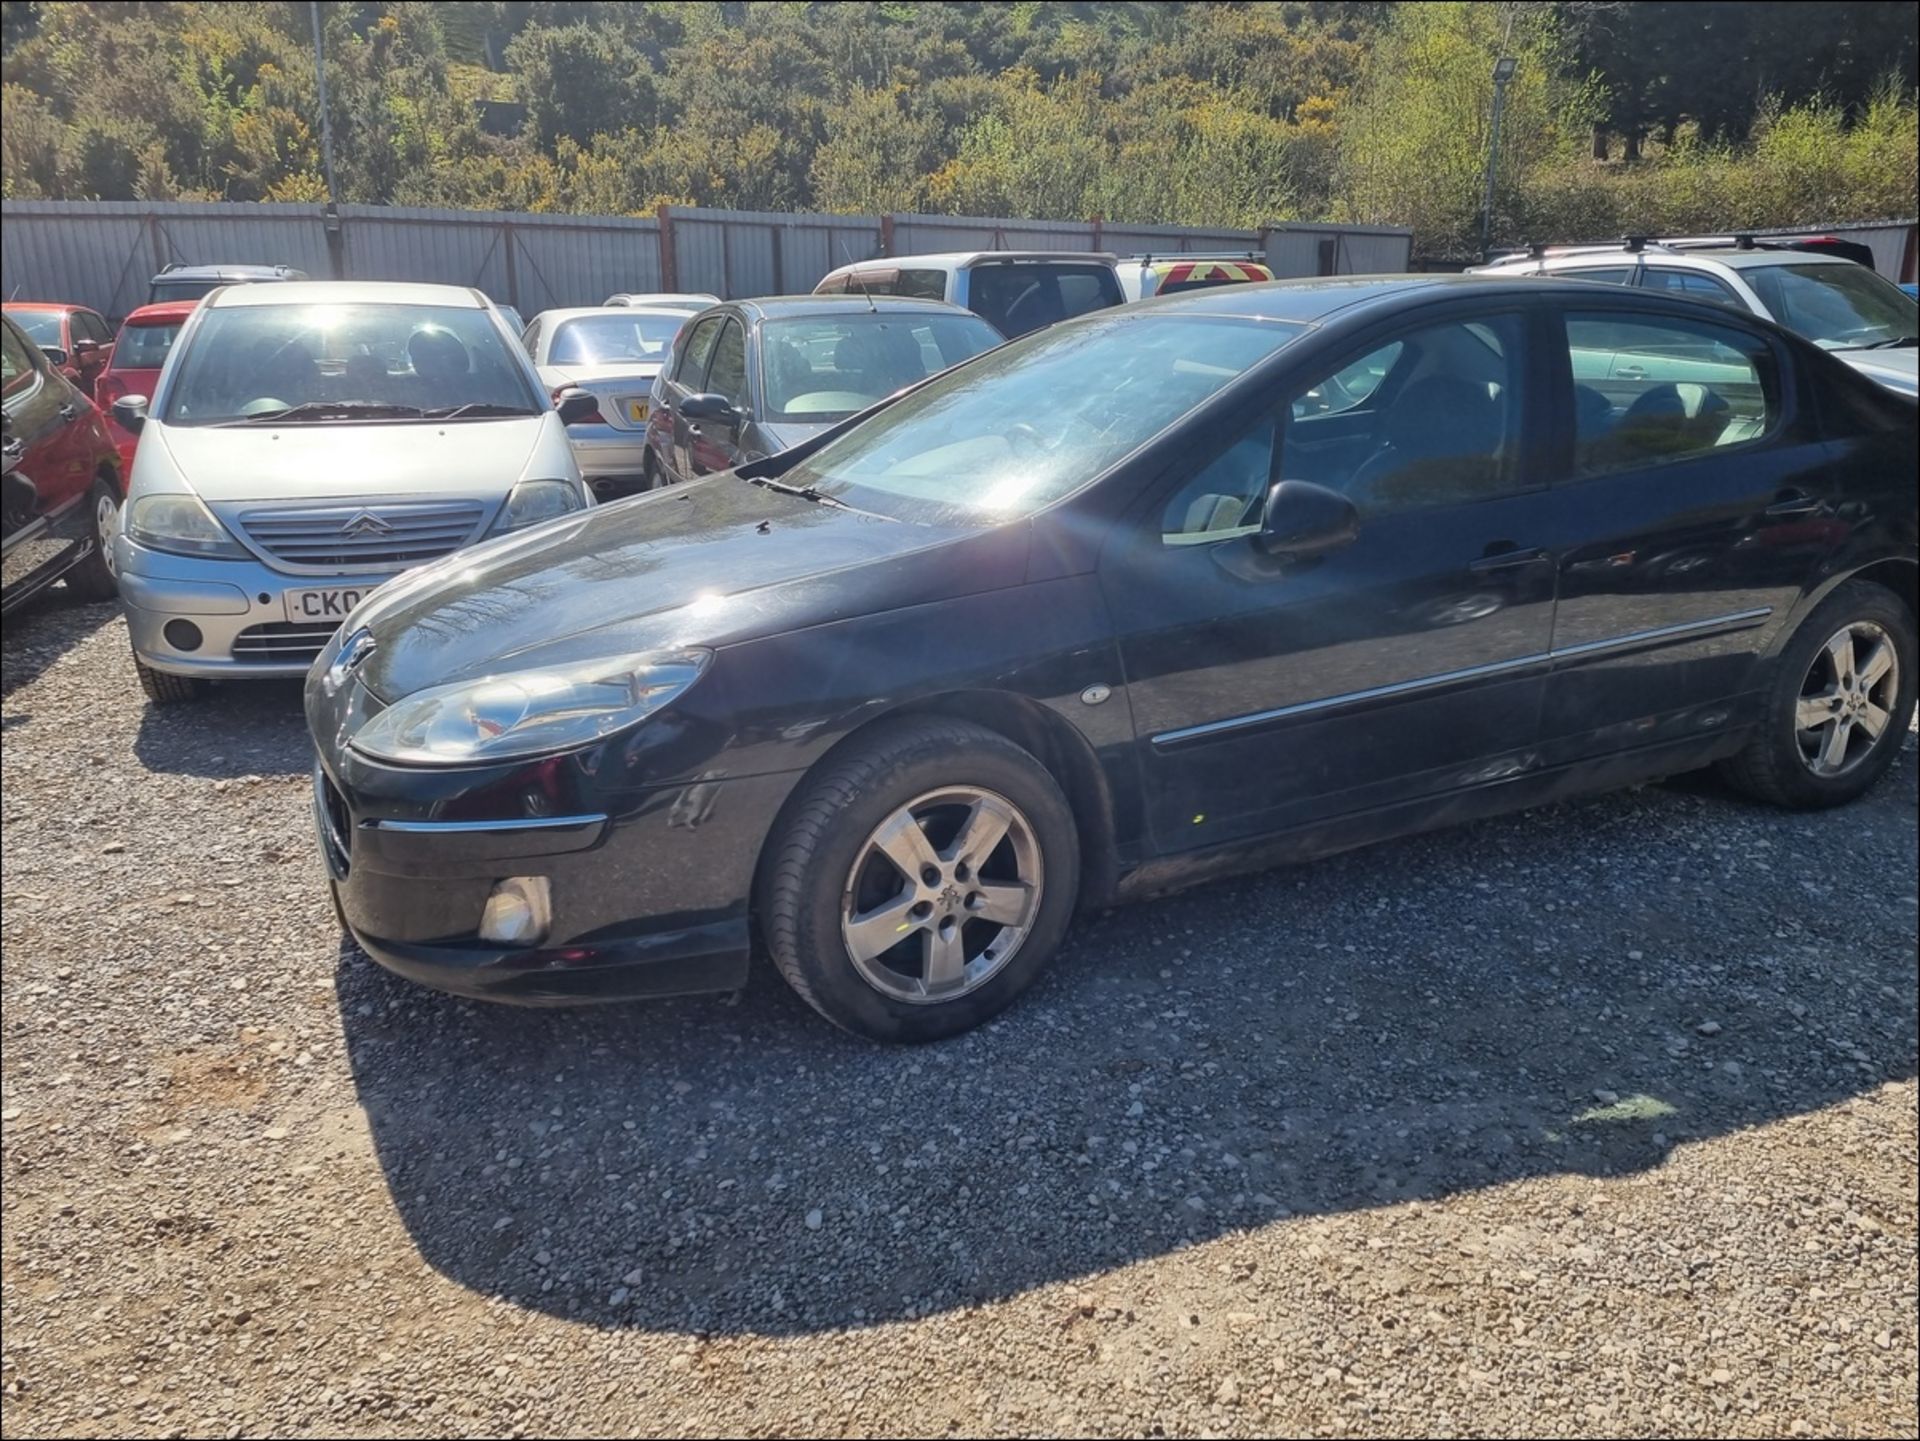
[
  {"x": 1037, "y": 419},
  {"x": 42, "y": 326},
  {"x": 336, "y": 361},
  {"x": 825, "y": 368},
  {"x": 1840, "y": 307},
  {"x": 145, "y": 347},
  {"x": 641, "y": 336}
]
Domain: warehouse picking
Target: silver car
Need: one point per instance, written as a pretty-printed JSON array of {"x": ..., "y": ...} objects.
[
  {"x": 612, "y": 353},
  {"x": 306, "y": 443}
]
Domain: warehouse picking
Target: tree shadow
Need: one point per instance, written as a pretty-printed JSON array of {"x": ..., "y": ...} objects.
[
  {"x": 1571, "y": 991},
  {"x": 255, "y": 727}
]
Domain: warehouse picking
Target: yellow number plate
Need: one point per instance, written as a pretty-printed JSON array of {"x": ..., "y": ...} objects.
[{"x": 637, "y": 411}]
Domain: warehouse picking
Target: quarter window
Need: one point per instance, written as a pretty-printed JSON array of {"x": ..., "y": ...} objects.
[
  {"x": 692, "y": 370},
  {"x": 1604, "y": 274},
  {"x": 1437, "y": 420},
  {"x": 728, "y": 376},
  {"x": 1651, "y": 392}
]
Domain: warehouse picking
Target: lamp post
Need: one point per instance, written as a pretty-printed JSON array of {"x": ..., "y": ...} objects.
[{"x": 1503, "y": 69}]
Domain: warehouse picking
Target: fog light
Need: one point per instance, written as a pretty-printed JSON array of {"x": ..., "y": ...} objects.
[
  {"x": 182, "y": 634},
  {"x": 519, "y": 912}
]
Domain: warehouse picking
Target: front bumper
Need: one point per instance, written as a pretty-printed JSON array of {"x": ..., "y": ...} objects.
[
  {"x": 612, "y": 461},
  {"x": 650, "y": 893},
  {"x": 236, "y": 605}
]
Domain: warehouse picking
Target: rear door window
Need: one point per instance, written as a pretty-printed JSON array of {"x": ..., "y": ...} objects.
[
  {"x": 1654, "y": 391},
  {"x": 1689, "y": 282},
  {"x": 1604, "y": 274}
]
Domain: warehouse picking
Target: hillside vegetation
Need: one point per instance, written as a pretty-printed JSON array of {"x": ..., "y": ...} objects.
[{"x": 1621, "y": 116}]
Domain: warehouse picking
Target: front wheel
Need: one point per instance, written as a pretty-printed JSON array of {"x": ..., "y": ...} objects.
[
  {"x": 94, "y": 578},
  {"x": 165, "y": 688},
  {"x": 920, "y": 883},
  {"x": 1838, "y": 706}
]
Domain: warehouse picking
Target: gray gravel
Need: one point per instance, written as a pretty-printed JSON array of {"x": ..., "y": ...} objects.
[{"x": 1596, "y": 1119}]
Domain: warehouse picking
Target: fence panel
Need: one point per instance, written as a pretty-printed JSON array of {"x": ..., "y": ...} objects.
[{"x": 102, "y": 253}]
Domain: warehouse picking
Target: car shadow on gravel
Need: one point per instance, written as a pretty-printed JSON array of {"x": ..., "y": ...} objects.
[
  {"x": 37, "y": 636},
  {"x": 253, "y": 728},
  {"x": 1575, "y": 991}
]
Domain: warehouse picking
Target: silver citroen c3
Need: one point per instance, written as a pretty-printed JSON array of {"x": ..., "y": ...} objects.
[{"x": 309, "y": 441}]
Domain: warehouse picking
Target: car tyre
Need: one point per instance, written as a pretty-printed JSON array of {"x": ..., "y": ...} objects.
[
  {"x": 93, "y": 578},
  {"x": 1847, "y": 669},
  {"x": 165, "y": 688},
  {"x": 650, "y": 478},
  {"x": 999, "y": 881}
]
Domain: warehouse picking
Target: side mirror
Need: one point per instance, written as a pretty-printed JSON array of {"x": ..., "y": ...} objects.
[
  {"x": 1305, "y": 520},
  {"x": 130, "y": 413},
  {"x": 577, "y": 407},
  {"x": 56, "y": 357},
  {"x": 709, "y": 407}
]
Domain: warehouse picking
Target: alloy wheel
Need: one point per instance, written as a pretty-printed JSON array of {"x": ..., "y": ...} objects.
[
  {"x": 1847, "y": 699},
  {"x": 106, "y": 524},
  {"x": 942, "y": 894}
]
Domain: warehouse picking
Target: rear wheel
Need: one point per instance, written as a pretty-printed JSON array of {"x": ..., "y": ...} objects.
[
  {"x": 921, "y": 883},
  {"x": 94, "y": 578},
  {"x": 1838, "y": 706},
  {"x": 165, "y": 688}
]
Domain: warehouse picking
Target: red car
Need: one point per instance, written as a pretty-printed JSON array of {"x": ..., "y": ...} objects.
[
  {"x": 146, "y": 337},
  {"x": 76, "y": 339},
  {"x": 62, "y": 487}
]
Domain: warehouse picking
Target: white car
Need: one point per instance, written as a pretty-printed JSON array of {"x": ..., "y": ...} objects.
[
  {"x": 612, "y": 353},
  {"x": 307, "y": 442},
  {"x": 1015, "y": 290},
  {"x": 695, "y": 300},
  {"x": 1837, "y": 303}
]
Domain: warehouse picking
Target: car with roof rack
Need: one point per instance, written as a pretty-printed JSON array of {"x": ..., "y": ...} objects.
[
  {"x": 1013, "y": 290},
  {"x": 1815, "y": 286}
]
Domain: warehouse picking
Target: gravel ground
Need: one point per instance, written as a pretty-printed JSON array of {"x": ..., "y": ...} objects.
[{"x": 1596, "y": 1119}]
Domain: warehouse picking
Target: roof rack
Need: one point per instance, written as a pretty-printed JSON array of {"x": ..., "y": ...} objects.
[
  {"x": 1151, "y": 257},
  {"x": 1631, "y": 244}
]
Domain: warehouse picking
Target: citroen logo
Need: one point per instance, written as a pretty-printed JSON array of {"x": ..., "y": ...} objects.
[{"x": 365, "y": 523}]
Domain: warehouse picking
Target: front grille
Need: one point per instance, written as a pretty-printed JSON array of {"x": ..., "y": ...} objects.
[
  {"x": 282, "y": 641},
  {"x": 368, "y": 535}
]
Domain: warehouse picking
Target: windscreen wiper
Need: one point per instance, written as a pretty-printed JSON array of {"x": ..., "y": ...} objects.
[
  {"x": 474, "y": 407},
  {"x": 1892, "y": 342},
  {"x": 343, "y": 409},
  {"x": 805, "y": 492}
]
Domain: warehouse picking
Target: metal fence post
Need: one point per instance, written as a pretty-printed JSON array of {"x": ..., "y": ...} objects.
[
  {"x": 886, "y": 235},
  {"x": 509, "y": 238},
  {"x": 669, "y": 263}
]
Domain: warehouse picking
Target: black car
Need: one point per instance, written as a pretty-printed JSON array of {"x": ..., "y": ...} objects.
[
  {"x": 752, "y": 378},
  {"x": 1224, "y": 579}
]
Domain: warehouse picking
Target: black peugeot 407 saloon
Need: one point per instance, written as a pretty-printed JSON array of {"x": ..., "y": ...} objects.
[{"x": 1240, "y": 576}]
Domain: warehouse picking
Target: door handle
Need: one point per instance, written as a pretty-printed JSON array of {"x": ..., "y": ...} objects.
[
  {"x": 1631, "y": 372},
  {"x": 1504, "y": 555},
  {"x": 1794, "y": 502}
]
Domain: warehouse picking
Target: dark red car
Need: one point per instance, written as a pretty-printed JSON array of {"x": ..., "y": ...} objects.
[
  {"x": 146, "y": 338},
  {"x": 76, "y": 339},
  {"x": 63, "y": 486}
]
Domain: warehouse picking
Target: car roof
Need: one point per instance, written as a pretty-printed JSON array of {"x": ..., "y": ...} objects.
[
  {"x": 771, "y": 307},
  {"x": 349, "y": 292},
  {"x": 554, "y": 317},
  {"x": 66, "y": 306},
  {"x": 161, "y": 311}
]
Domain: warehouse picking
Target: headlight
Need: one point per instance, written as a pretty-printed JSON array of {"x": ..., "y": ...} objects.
[
  {"x": 526, "y": 713},
  {"x": 181, "y": 524},
  {"x": 532, "y": 501}
]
